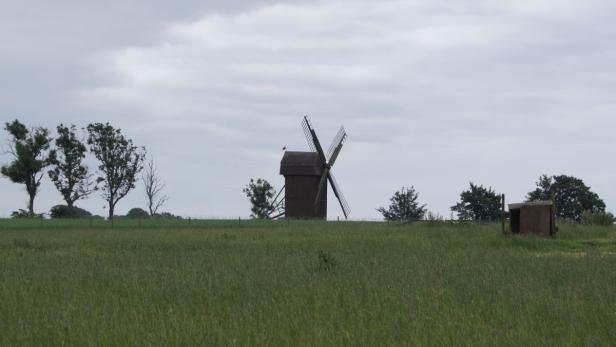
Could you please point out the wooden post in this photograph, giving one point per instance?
(503, 213)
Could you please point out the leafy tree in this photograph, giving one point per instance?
(29, 149)
(64, 211)
(68, 173)
(478, 204)
(261, 194)
(120, 162)
(570, 195)
(137, 213)
(404, 206)
(153, 186)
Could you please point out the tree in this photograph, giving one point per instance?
(137, 213)
(64, 211)
(120, 162)
(570, 195)
(261, 194)
(404, 206)
(478, 204)
(30, 151)
(153, 185)
(68, 173)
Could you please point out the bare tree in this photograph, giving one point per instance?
(153, 185)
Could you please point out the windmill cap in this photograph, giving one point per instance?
(301, 164)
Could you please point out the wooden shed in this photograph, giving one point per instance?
(302, 172)
(536, 217)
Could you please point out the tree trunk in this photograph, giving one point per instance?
(111, 208)
(31, 204)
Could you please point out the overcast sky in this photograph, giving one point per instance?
(433, 93)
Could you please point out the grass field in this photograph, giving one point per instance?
(303, 283)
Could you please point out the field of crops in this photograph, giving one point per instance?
(185, 283)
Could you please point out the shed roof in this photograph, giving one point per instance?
(530, 204)
(301, 164)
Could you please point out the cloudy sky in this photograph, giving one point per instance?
(433, 93)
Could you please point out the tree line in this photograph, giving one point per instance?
(574, 201)
(120, 162)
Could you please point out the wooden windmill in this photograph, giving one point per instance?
(306, 175)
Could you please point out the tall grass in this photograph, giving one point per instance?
(304, 283)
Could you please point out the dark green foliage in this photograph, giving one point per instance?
(597, 218)
(137, 213)
(404, 206)
(21, 213)
(261, 194)
(120, 162)
(29, 149)
(327, 262)
(570, 195)
(166, 215)
(64, 211)
(68, 173)
(478, 204)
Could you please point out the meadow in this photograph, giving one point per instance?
(180, 283)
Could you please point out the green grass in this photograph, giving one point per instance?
(303, 283)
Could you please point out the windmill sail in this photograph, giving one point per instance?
(341, 199)
(336, 145)
(308, 133)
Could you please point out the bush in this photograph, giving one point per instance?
(404, 206)
(64, 211)
(434, 217)
(327, 262)
(597, 218)
(166, 215)
(21, 213)
(137, 213)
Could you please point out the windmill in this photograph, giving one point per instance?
(306, 175)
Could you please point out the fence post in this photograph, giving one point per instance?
(503, 213)
(239, 221)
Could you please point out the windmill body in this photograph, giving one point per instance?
(302, 173)
(306, 175)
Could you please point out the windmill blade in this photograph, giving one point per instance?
(343, 203)
(322, 184)
(313, 136)
(308, 133)
(336, 147)
(337, 143)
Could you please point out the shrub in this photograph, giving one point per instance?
(137, 213)
(597, 218)
(404, 206)
(166, 215)
(327, 262)
(21, 213)
(434, 217)
(64, 211)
